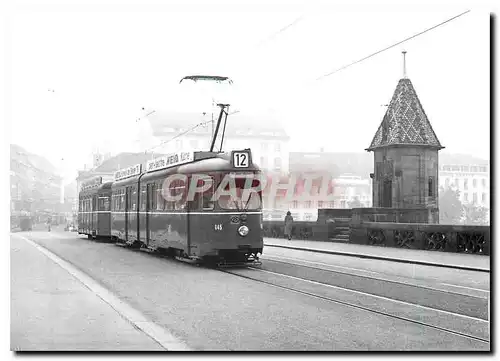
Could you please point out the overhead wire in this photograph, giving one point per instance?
(392, 46)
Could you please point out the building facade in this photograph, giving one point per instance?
(472, 180)
(351, 191)
(182, 131)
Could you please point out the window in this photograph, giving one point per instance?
(466, 184)
(295, 205)
(104, 204)
(320, 204)
(483, 182)
(122, 200)
(483, 197)
(277, 163)
(151, 192)
(474, 198)
(466, 197)
(277, 147)
(143, 199)
(177, 188)
(160, 200)
(456, 182)
(133, 201)
(474, 183)
(431, 187)
(207, 203)
(308, 204)
(253, 202)
(203, 201)
(263, 146)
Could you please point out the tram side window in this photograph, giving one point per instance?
(203, 201)
(117, 201)
(167, 195)
(208, 204)
(114, 198)
(104, 204)
(133, 201)
(122, 200)
(142, 201)
(151, 188)
(178, 190)
(160, 201)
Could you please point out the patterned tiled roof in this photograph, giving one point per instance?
(405, 122)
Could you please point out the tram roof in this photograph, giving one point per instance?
(203, 162)
(95, 190)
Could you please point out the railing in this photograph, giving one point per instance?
(423, 236)
(435, 237)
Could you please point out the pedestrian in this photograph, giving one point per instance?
(288, 225)
(49, 222)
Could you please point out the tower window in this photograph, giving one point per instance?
(431, 187)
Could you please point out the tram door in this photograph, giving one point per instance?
(128, 209)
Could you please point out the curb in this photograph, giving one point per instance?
(136, 318)
(360, 255)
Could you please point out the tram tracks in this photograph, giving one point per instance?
(473, 305)
(472, 328)
(381, 277)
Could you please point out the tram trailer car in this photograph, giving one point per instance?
(219, 232)
(94, 216)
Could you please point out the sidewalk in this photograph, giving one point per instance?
(53, 311)
(432, 258)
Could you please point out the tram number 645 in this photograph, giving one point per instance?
(240, 159)
(218, 227)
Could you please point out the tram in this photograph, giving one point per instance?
(194, 223)
(94, 213)
(195, 206)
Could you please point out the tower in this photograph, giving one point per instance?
(405, 151)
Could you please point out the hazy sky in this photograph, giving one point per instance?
(107, 62)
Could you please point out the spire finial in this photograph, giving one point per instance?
(404, 64)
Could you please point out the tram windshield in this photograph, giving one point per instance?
(245, 200)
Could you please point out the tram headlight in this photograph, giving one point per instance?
(243, 231)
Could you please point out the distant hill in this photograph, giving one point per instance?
(33, 179)
(35, 160)
(460, 159)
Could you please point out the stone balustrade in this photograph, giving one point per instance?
(411, 235)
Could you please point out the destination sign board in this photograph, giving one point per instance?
(169, 160)
(128, 172)
(92, 183)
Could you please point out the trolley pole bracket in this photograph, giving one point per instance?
(222, 112)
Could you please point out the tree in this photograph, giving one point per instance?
(476, 215)
(451, 209)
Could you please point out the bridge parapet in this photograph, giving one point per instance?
(403, 215)
(436, 237)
